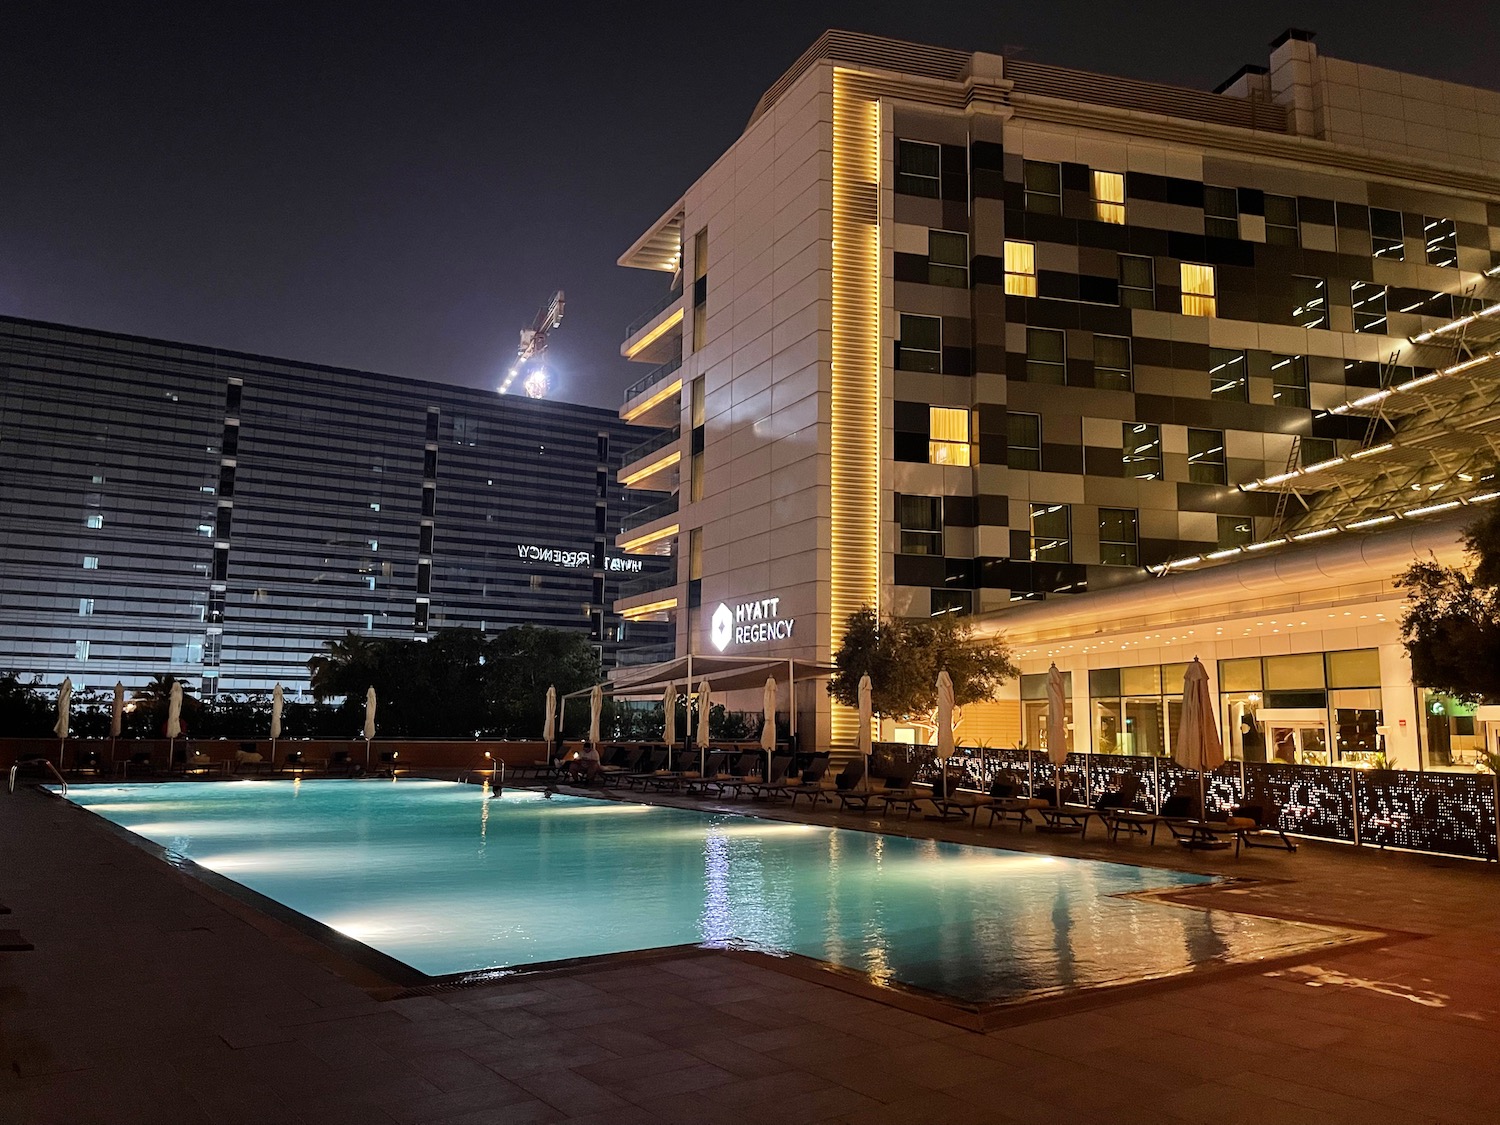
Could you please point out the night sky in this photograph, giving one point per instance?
(400, 187)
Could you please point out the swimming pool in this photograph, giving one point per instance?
(439, 878)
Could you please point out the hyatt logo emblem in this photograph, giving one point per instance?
(722, 626)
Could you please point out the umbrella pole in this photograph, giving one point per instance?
(367, 755)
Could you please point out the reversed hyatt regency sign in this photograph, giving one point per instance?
(559, 556)
(748, 623)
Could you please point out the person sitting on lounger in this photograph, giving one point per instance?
(584, 764)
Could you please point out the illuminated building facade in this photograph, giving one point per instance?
(961, 333)
(178, 509)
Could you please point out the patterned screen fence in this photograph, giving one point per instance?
(1445, 813)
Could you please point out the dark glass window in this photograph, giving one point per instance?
(1316, 450)
(1221, 212)
(919, 168)
(1051, 533)
(1046, 356)
(232, 399)
(1236, 531)
(1206, 456)
(1228, 375)
(1368, 300)
(1043, 183)
(1140, 450)
(429, 501)
(948, 259)
(424, 578)
(429, 462)
(1309, 302)
(1281, 221)
(1024, 441)
(231, 446)
(1442, 241)
(1118, 537)
(1112, 368)
(1137, 282)
(1385, 235)
(921, 519)
(920, 347)
(1289, 380)
(424, 543)
(958, 603)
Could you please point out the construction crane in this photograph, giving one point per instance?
(528, 366)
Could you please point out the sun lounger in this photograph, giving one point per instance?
(812, 785)
(859, 798)
(793, 784)
(742, 771)
(713, 765)
(652, 763)
(624, 762)
(756, 786)
(1176, 809)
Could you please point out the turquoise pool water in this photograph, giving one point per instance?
(436, 876)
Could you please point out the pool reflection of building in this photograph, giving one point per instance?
(1130, 373)
(178, 509)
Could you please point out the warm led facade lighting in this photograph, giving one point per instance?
(1461, 322)
(855, 407)
(667, 391)
(635, 613)
(656, 333)
(664, 462)
(651, 537)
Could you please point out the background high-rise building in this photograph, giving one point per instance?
(169, 508)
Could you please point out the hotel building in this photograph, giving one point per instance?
(169, 508)
(1130, 373)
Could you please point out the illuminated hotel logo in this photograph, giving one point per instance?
(749, 623)
(560, 556)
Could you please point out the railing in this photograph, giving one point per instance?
(646, 654)
(645, 515)
(653, 312)
(651, 445)
(648, 582)
(61, 780)
(1445, 813)
(656, 376)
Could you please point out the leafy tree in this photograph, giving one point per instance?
(1451, 624)
(903, 656)
(25, 710)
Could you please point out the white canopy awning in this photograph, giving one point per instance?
(727, 673)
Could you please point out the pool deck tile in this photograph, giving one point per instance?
(153, 999)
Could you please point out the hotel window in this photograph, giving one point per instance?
(1109, 197)
(1236, 531)
(465, 430)
(700, 289)
(1368, 300)
(95, 522)
(424, 578)
(1198, 290)
(920, 347)
(1020, 269)
(921, 519)
(956, 603)
(948, 443)
(1119, 543)
(1316, 450)
(80, 650)
(1043, 182)
(90, 562)
(948, 259)
(1137, 282)
(1289, 380)
(695, 478)
(1051, 533)
(1442, 241)
(1140, 450)
(1385, 235)
(698, 402)
(85, 607)
(1228, 375)
(1046, 356)
(1309, 302)
(1023, 447)
(1281, 221)
(1112, 363)
(1206, 456)
(1221, 212)
(695, 554)
(919, 169)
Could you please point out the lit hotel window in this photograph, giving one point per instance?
(1051, 534)
(1109, 197)
(90, 562)
(95, 522)
(949, 441)
(1020, 269)
(1198, 290)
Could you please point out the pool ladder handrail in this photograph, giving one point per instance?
(61, 780)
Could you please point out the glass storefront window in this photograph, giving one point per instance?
(1356, 668)
(1300, 672)
(1140, 681)
(1240, 675)
(1453, 734)
(1145, 732)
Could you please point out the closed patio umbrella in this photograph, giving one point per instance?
(60, 728)
(116, 718)
(549, 724)
(1057, 729)
(1198, 746)
(369, 731)
(944, 715)
(276, 706)
(866, 743)
(768, 724)
(705, 704)
(596, 711)
(669, 715)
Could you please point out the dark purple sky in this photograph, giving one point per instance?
(399, 187)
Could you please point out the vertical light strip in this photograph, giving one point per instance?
(856, 366)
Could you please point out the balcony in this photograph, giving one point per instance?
(647, 583)
(657, 334)
(651, 530)
(649, 514)
(654, 311)
(645, 654)
(652, 399)
(650, 466)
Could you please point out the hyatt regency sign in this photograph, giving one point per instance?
(748, 623)
(559, 556)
